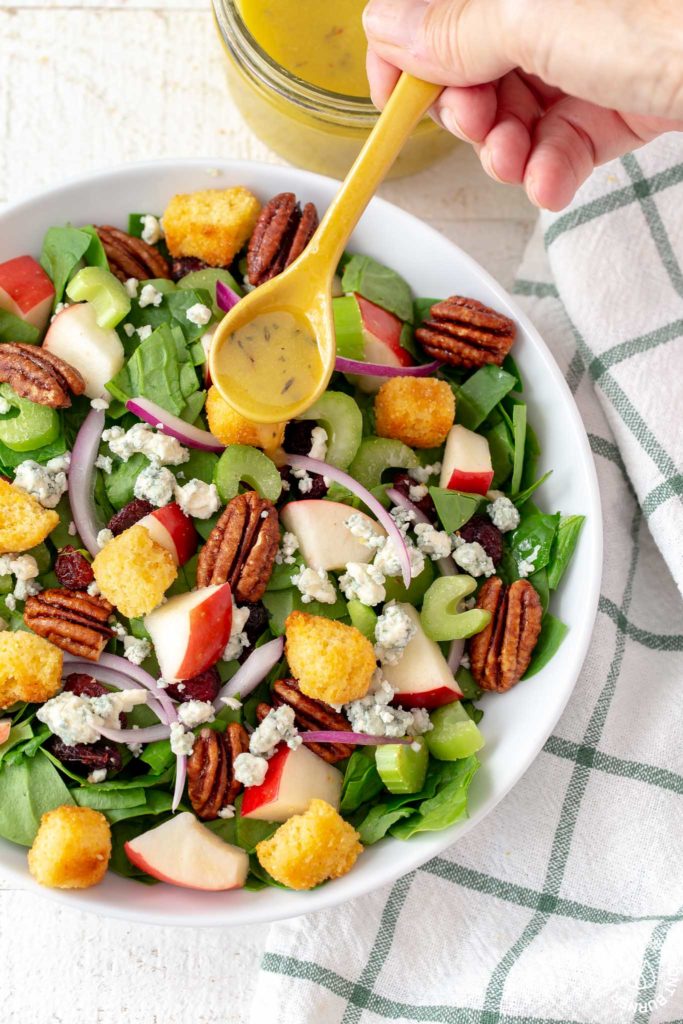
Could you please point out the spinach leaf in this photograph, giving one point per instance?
(539, 581)
(502, 453)
(448, 805)
(532, 541)
(119, 485)
(465, 681)
(454, 508)
(565, 542)
(156, 802)
(480, 394)
(524, 495)
(12, 328)
(158, 756)
(10, 459)
(226, 828)
(379, 284)
(361, 780)
(553, 632)
(160, 369)
(95, 255)
(17, 734)
(280, 603)
(27, 790)
(63, 249)
(422, 309)
(249, 832)
(200, 466)
(379, 820)
(510, 366)
(532, 452)
(281, 576)
(108, 800)
(519, 434)
(119, 863)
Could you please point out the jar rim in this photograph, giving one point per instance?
(257, 63)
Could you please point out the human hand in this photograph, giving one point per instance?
(545, 91)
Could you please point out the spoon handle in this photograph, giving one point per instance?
(408, 103)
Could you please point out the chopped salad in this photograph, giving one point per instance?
(235, 655)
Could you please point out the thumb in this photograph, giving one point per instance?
(450, 42)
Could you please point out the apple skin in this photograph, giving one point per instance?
(190, 631)
(173, 530)
(381, 342)
(183, 852)
(293, 779)
(466, 462)
(428, 699)
(324, 541)
(422, 659)
(26, 291)
(5, 728)
(472, 483)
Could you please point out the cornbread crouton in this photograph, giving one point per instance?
(212, 225)
(416, 410)
(310, 847)
(71, 849)
(133, 572)
(331, 661)
(30, 668)
(231, 428)
(23, 520)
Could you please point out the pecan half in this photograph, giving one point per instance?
(131, 257)
(211, 783)
(500, 654)
(241, 548)
(465, 332)
(38, 375)
(310, 715)
(70, 619)
(282, 232)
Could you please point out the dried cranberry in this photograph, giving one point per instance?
(186, 265)
(483, 532)
(402, 483)
(256, 623)
(129, 515)
(299, 437)
(73, 570)
(205, 686)
(293, 492)
(84, 685)
(88, 756)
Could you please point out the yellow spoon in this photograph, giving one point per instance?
(274, 352)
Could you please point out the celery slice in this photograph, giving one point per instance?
(402, 769)
(105, 292)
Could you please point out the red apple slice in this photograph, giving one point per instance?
(97, 353)
(26, 291)
(5, 729)
(173, 530)
(466, 462)
(293, 779)
(324, 540)
(184, 852)
(381, 342)
(422, 678)
(190, 631)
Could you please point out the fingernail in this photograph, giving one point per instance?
(487, 163)
(396, 22)
(450, 123)
(530, 186)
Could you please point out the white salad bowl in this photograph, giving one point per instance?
(516, 724)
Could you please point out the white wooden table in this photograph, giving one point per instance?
(87, 84)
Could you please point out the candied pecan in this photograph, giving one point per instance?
(500, 654)
(73, 570)
(211, 783)
(481, 530)
(282, 232)
(84, 685)
(131, 257)
(241, 548)
(205, 686)
(402, 483)
(129, 515)
(311, 716)
(88, 756)
(38, 375)
(465, 332)
(72, 620)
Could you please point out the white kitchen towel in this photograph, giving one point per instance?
(565, 905)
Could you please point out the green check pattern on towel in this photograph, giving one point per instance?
(565, 905)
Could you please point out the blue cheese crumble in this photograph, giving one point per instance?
(45, 483)
(374, 714)
(277, 727)
(155, 445)
(364, 583)
(196, 712)
(155, 484)
(314, 585)
(249, 769)
(394, 630)
(432, 542)
(503, 514)
(472, 558)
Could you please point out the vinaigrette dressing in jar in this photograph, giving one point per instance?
(296, 70)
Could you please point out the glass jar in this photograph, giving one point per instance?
(307, 125)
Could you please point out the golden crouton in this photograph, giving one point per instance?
(416, 410)
(310, 847)
(212, 225)
(23, 520)
(30, 668)
(71, 849)
(331, 661)
(231, 428)
(133, 572)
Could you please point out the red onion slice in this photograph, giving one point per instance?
(111, 676)
(226, 297)
(191, 437)
(357, 366)
(455, 653)
(150, 734)
(446, 565)
(253, 671)
(81, 479)
(359, 739)
(324, 469)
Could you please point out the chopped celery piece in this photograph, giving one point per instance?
(396, 588)
(402, 769)
(348, 327)
(208, 279)
(33, 427)
(454, 508)
(241, 464)
(441, 616)
(453, 734)
(378, 454)
(343, 421)
(363, 618)
(104, 292)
